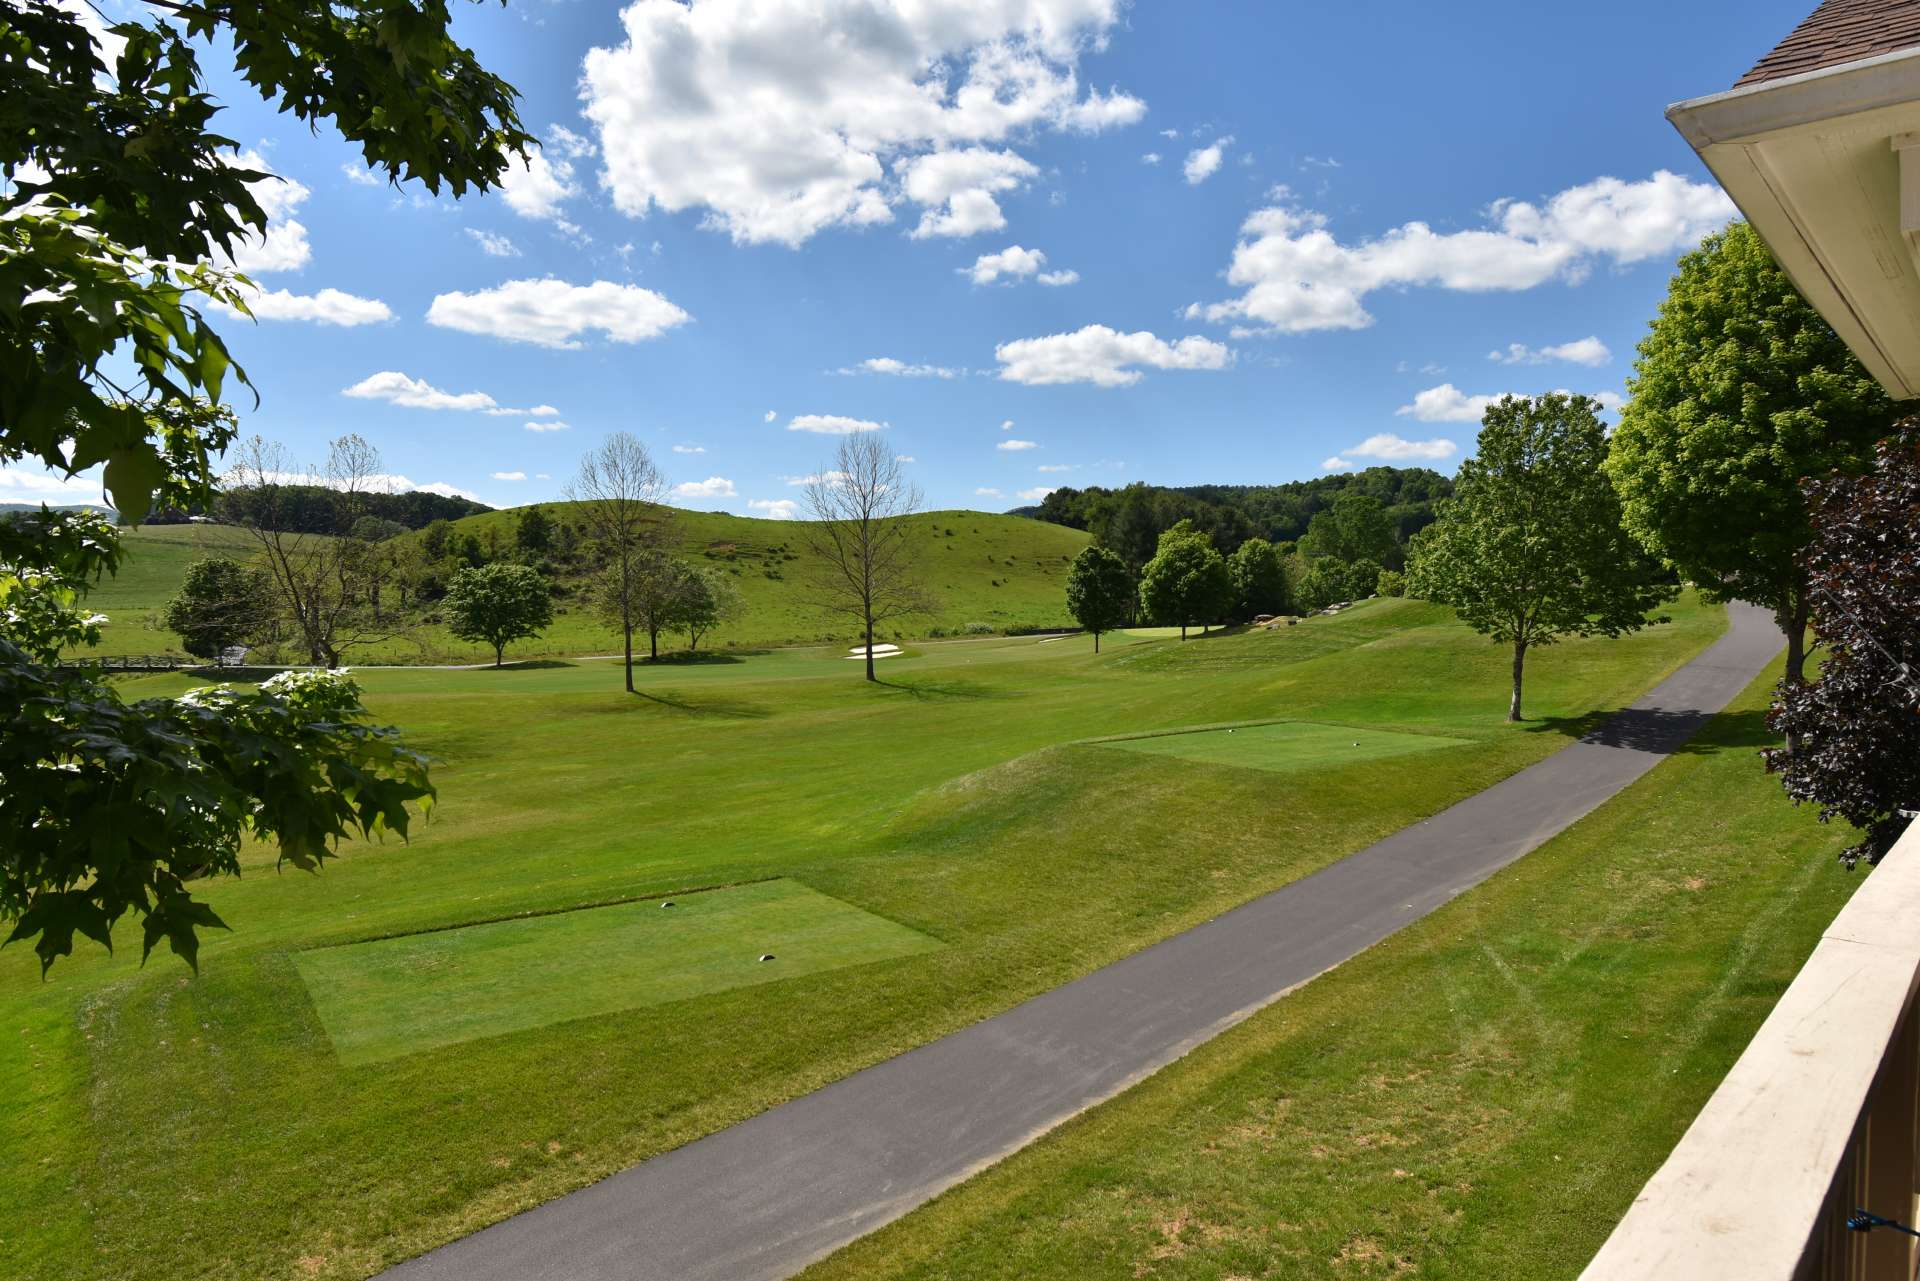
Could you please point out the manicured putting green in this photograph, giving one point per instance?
(388, 997)
(1286, 745)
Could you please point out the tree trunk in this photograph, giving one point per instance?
(499, 651)
(870, 675)
(1793, 621)
(627, 631)
(1096, 642)
(653, 644)
(1519, 670)
(1183, 631)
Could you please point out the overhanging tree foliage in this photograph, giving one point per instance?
(121, 205)
(1740, 391)
(1530, 548)
(1100, 591)
(1857, 727)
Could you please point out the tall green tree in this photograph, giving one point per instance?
(122, 203)
(498, 604)
(221, 604)
(1740, 391)
(707, 600)
(1259, 579)
(1357, 527)
(1100, 593)
(534, 532)
(1531, 548)
(1186, 582)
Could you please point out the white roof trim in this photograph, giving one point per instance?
(1844, 89)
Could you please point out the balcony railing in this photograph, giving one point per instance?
(1814, 1124)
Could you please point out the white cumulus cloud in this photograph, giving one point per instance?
(549, 425)
(537, 187)
(1296, 276)
(416, 393)
(1014, 446)
(785, 117)
(1448, 404)
(958, 189)
(328, 307)
(553, 313)
(1203, 161)
(283, 246)
(984, 492)
(1103, 356)
(509, 475)
(689, 449)
(771, 414)
(711, 487)
(494, 245)
(1036, 494)
(832, 424)
(775, 508)
(1588, 351)
(900, 369)
(1389, 448)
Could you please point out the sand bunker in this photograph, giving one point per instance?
(879, 651)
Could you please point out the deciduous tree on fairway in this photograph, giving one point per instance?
(1259, 579)
(1100, 591)
(121, 200)
(1186, 582)
(1858, 725)
(327, 588)
(221, 603)
(708, 599)
(865, 548)
(621, 502)
(1739, 392)
(498, 604)
(1530, 548)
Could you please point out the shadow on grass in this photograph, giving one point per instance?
(712, 658)
(705, 705)
(942, 689)
(531, 665)
(1657, 730)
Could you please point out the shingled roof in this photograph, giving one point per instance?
(1840, 31)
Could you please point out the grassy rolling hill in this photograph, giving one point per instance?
(939, 847)
(1003, 573)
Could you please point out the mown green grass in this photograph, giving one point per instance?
(394, 996)
(1004, 573)
(154, 1124)
(1480, 1096)
(1286, 745)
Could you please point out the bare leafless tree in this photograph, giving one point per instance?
(864, 546)
(328, 586)
(621, 496)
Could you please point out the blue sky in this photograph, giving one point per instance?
(1172, 243)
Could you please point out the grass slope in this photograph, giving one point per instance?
(1004, 572)
(1480, 1096)
(155, 1124)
